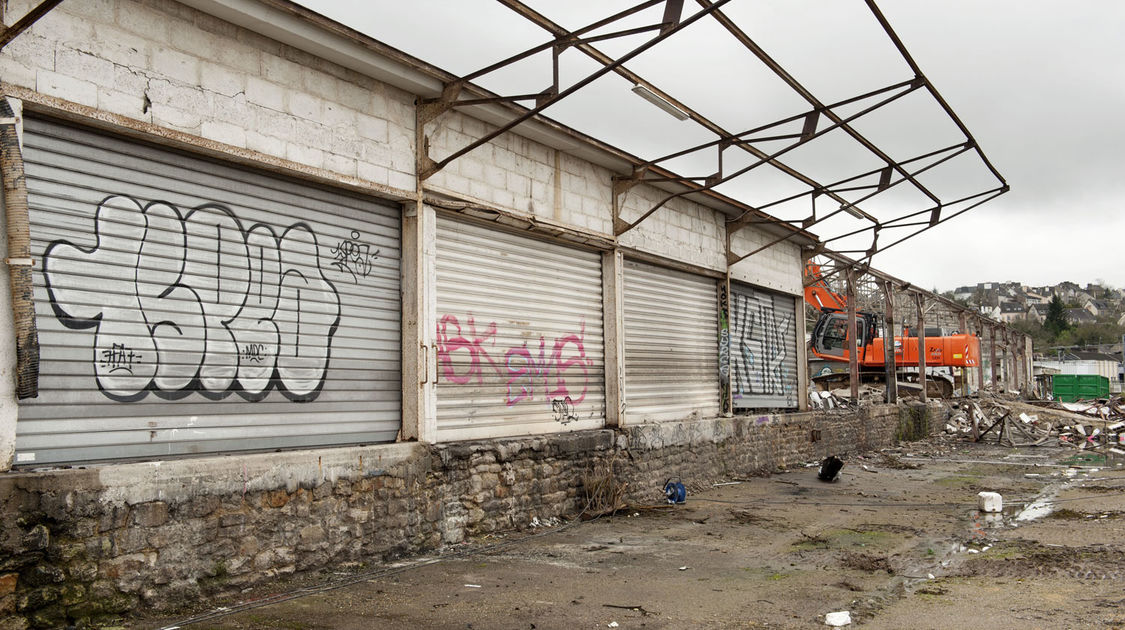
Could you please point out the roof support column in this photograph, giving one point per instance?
(853, 331)
(920, 300)
(419, 323)
(891, 373)
(963, 328)
(980, 366)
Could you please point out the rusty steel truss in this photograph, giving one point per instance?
(814, 123)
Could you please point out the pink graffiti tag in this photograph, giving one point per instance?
(524, 369)
(447, 345)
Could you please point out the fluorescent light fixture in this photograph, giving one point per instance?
(850, 209)
(655, 99)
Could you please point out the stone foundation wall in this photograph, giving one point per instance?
(83, 544)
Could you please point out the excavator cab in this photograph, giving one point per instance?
(830, 335)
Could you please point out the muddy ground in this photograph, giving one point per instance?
(896, 541)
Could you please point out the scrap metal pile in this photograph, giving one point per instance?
(1095, 425)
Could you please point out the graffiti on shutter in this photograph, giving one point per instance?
(190, 301)
(763, 341)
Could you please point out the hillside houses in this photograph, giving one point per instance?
(1012, 301)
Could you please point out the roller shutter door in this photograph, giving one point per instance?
(763, 338)
(191, 306)
(519, 334)
(671, 344)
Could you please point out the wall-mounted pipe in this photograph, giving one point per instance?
(19, 255)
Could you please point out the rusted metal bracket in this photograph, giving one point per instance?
(24, 23)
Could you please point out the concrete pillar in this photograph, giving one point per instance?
(802, 355)
(890, 374)
(726, 403)
(613, 309)
(920, 300)
(9, 406)
(853, 332)
(419, 323)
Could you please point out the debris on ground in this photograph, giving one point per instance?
(830, 468)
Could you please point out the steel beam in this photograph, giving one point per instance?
(27, 21)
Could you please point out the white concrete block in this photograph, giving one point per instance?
(129, 80)
(220, 79)
(19, 74)
(281, 71)
(398, 179)
(375, 173)
(304, 105)
(340, 164)
(355, 96)
(32, 50)
(175, 65)
(129, 104)
(193, 41)
(240, 57)
(304, 155)
(336, 115)
(274, 123)
(371, 127)
(120, 46)
(66, 87)
(174, 118)
(234, 110)
(144, 21)
(990, 502)
(223, 132)
(265, 93)
(268, 145)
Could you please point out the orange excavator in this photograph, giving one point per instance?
(829, 342)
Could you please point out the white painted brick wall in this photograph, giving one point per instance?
(680, 229)
(777, 267)
(163, 63)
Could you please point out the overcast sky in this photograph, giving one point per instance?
(1039, 84)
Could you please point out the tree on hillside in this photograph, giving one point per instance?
(1055, 322)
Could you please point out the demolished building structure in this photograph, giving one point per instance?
(281, 296)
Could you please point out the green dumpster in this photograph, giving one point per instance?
(1072, 387)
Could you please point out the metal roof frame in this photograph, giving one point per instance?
(649, 172)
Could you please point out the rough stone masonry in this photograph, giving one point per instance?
(85, 544)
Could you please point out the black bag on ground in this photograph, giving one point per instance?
(829, 468)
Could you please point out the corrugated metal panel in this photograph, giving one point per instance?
(763, 338)
(189, 306)
(519, 337)
(671, 344)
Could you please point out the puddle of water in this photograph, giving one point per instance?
(1038, 508)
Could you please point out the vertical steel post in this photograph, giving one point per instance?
(853, 331)
(993, 363)
(891, 373)
(980, 366)
(963, 328)
(920, 300)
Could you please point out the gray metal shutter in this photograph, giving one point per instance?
(671, 344)
(763, 339)
(190, 306)
(520, 345)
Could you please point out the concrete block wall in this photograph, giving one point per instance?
(778, 268)
(160, 62)
(681, 230)
(83, 545)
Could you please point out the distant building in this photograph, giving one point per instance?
(1079, 316)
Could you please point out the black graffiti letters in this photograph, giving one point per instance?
(219, 309)
(354, 257)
